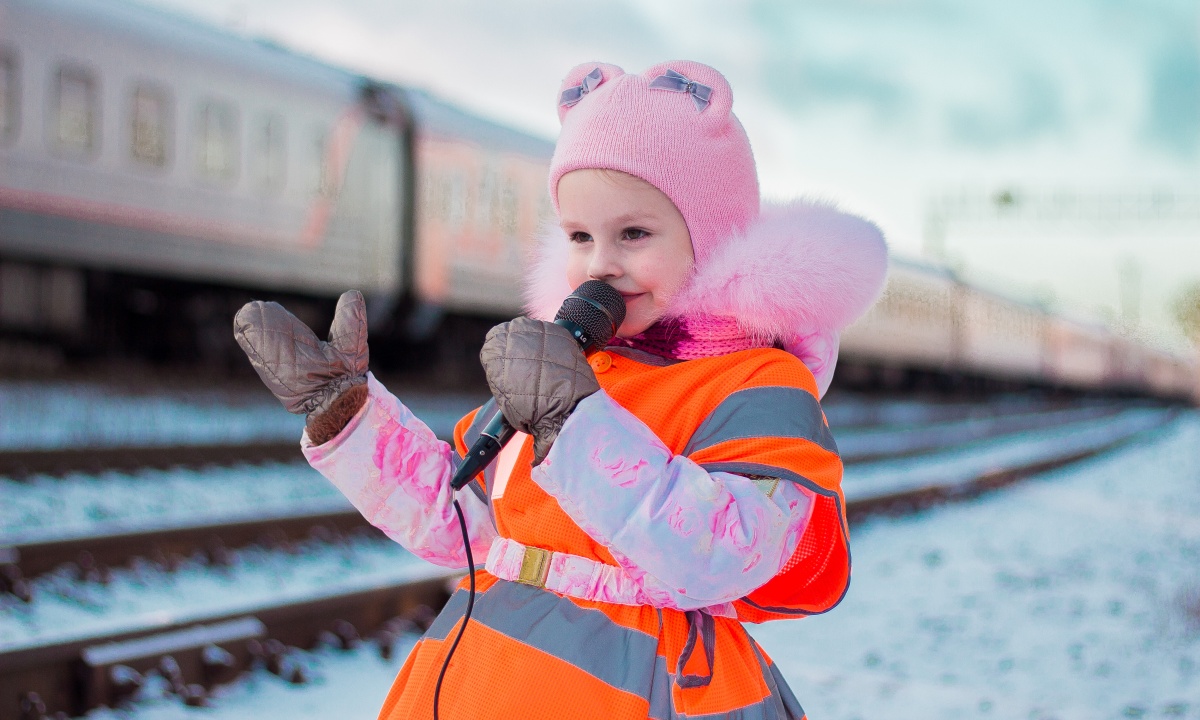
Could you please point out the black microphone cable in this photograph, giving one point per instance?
(437, 691)
(591, 313)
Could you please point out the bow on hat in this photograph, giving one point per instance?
(677, 82)
(590, 82)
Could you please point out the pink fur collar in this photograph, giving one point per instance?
(798, 275)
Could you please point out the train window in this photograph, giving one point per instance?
(326, 184)
(151, 125)
(456, 199)
(76, 116)
(510, 208)
(9, 95)
(485, 199)
(270, 153)
(426, 198)
(216, 141)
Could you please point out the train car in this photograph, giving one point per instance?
(914, 325)
(1169, 375)
(155, 166)
(1078, 354)
(481, 198)
(929, 321)
(1001, 337)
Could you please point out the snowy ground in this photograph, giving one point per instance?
(1073, 595)
(57, 415)
(147, 596)
(45, 508)
(79, 414)
(963, 464)
(345, 686)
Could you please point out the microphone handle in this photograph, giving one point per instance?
(496, 434)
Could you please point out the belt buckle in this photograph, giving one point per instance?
(535, 567)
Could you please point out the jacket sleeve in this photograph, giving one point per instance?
(694, 538)
(396, 472)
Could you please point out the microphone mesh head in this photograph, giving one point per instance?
(600, 324)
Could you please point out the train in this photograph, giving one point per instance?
(156, 173)
(930, 326)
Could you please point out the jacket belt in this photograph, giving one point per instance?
(563, 573)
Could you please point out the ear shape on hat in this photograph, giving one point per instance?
(720, 102)
(575, 77)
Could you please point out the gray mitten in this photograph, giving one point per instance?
(537, 373)
(305, 373)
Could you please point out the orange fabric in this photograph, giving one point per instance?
(495, 676)
(816, 576)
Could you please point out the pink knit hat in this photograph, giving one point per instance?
(671, 126)
(794, 274)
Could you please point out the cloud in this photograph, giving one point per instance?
(1173, 112)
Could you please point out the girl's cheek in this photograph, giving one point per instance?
(576, 268)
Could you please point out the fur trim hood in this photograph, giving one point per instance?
(798, 275)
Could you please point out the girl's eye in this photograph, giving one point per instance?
(580, 237)
(635, 233)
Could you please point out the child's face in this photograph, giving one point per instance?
(626, 232)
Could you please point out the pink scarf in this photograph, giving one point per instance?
(688, 338)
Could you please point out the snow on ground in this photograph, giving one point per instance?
(147, 596)
(43, 508)
(963, 463)
(345, 686)
(1073, 595)
(39, 415)
(46, 416)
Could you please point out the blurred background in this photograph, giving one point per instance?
(1051, 148)
(1035, 167)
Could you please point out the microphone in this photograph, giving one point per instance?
(592, 313)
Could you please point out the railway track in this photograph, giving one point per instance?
(92, 552)
(73, 674)
(95, 450)
(27, 463)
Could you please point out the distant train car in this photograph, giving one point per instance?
(1078, 354)
(1171, 376)
(1001, 338)
(136, 145)
(481, 196)
(914, 325)
(930, 321)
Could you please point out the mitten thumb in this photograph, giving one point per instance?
(348, 332)
(542, 442)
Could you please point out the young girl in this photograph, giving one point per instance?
(668, 488)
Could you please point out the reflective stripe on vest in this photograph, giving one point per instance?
(769, 411)
(620, 656)
(624, 658)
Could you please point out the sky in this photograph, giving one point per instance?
(888, 107)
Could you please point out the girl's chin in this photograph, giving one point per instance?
(634, 326)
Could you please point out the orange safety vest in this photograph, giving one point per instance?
(531, 653)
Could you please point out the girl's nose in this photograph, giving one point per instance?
(605, 263)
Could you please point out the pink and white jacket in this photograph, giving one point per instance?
(801, 273)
